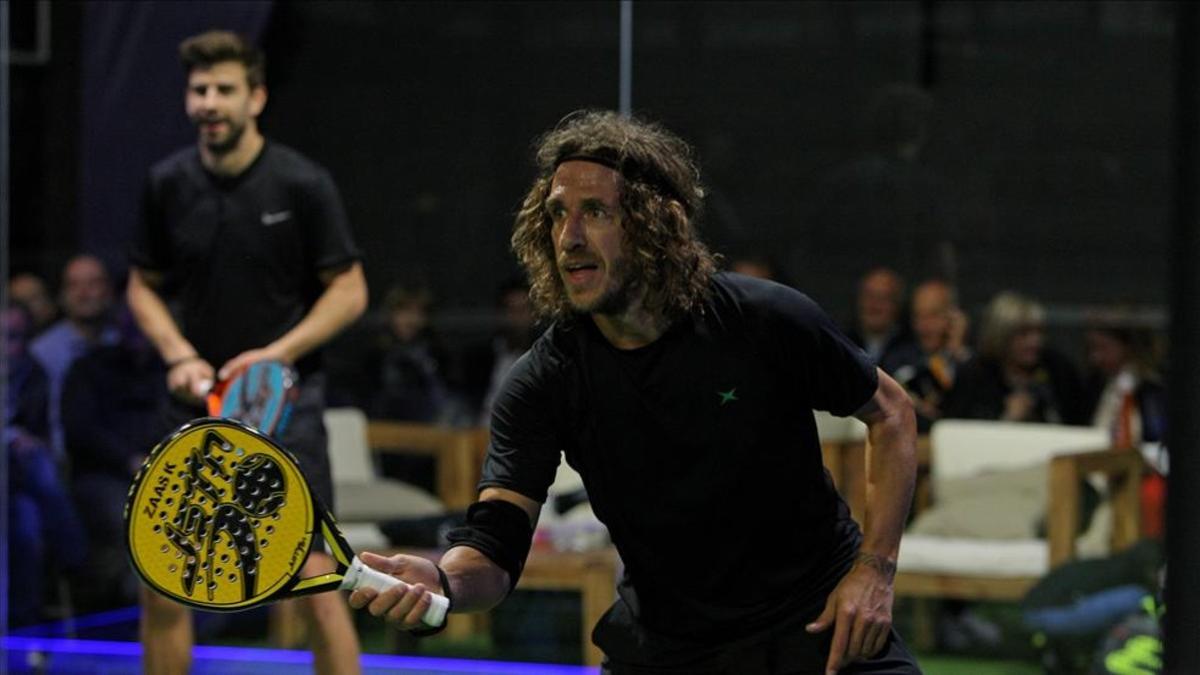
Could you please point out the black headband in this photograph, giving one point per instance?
(610, 162)
(630, 171)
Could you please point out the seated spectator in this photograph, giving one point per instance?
(30, 290)
(110, 411)
(927, 370)
(879, 328)
(1015, 376)
(1124, 389)
(407, 361)
(348, 379)
(407, 369)
(487, 364)
(1126, 396)
(45, 536)
(757, 265)
(87, 299)
(759, 268)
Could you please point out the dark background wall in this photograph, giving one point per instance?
(1045, 165)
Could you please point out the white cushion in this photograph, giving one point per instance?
(974, 557)
(349, 456)
(383, 499)
(364, 537)
(359, 495)
(566, 480)
(973, 454)
(831, 428)
(962, 448)
(994, 505)
(963, 556)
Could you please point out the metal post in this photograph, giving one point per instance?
(1183, 500)
(626, 86)
(930, 58)
(4, 249)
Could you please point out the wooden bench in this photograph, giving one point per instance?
(965, 448)
(592, 574)
(457, 454)
(846, 461)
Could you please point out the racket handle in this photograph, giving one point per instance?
(361, 576)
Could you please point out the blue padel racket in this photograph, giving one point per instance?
(260, 395)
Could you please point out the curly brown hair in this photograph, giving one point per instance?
(661, 200)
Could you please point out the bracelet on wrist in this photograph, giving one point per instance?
(426, 632)
(181, 361)
(878, 563)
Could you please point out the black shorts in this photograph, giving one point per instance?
(787, 651)
(304, 436)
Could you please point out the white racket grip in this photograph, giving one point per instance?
(361, 576)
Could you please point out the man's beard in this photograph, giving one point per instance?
(91, 317)
(231, 141)
(617, 297)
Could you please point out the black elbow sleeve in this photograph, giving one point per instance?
(501, 531)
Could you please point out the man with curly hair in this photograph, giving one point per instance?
(683, 396)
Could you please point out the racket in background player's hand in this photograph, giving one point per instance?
(260, 395)
(220, 517)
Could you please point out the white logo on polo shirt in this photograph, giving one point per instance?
(270, 219)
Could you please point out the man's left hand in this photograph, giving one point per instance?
(860, 611)
(248, 358)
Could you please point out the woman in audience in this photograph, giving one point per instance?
(1015, 376)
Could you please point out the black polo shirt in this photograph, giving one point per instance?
(241, 255)
(700, 454)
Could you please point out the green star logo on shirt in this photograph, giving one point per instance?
(728, 396)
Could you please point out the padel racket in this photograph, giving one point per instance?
(220, 517)
(260, 395)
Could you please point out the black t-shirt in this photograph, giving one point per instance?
(700, 454)
(241, 255)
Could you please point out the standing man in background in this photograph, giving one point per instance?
(249, 242)
(683, 397)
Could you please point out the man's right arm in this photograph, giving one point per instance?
(188, 374)
(477, 583)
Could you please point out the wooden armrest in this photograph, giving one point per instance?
(1114, 462)
(1124, 470)
(406, 437)
(846, 461)
(454, 451)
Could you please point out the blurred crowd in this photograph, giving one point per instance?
(84, 386)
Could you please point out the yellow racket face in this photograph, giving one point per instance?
(219, 517)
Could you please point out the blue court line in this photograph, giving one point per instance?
(266, 656)
(60, 627)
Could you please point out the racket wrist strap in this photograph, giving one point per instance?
(445, 582)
